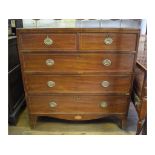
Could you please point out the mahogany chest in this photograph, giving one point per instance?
(77, 73)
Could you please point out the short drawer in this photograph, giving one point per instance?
(78, 104)
(77, 84)
(108, 41)
(48, 41)
(78, 63)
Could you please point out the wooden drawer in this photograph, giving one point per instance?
(77, 84)
(78, 63)
(100, 41)
(58, 41)
(78, 104)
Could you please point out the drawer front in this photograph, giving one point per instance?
(68, 104)
(108, 41)
(48, 41)
(77, 84)
(78, 63)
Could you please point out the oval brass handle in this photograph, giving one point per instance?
(106, 62)
(78, 117)
(52, 104)
(49, 62)
(48, 41)
(108, 40)
(103, 104)
(105, 84)
(50, 83)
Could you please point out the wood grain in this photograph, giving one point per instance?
(78, 104)
(77, 71)
(78, 63)
(95, 41)
(36, 41)
(77, 84)
(75, 30)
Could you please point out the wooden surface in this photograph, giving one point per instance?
(78, 63)
(78, 104)
(60, 41)
(140, 90)
(78, 55)
(53, 126)
(77, 84)
(70, 39)
(73, 30)
(95, 41)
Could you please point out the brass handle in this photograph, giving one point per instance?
(50, 83)
(52, 104)
(106, 62)
(103, 104)
(108, 40)
(105, 84)
(48, 41)
(49, 62)
(78, 117)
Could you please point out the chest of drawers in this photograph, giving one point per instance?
(77, 73)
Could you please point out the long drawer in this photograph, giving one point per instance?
(49, 41)
(78, 63)
(77, 84)
(78, 104)
(108, 41)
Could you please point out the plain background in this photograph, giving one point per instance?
(76, 145)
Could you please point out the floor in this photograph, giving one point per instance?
(51, 126)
